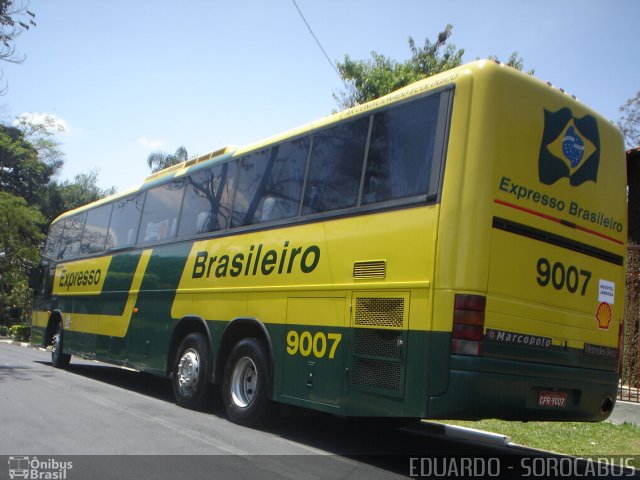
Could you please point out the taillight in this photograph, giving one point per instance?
(468, 324)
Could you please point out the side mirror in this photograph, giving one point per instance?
(35, 278)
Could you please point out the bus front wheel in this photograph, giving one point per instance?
(59, 359)
(190, 377)
(245, 385)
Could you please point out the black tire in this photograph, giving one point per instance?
(59, 359)
(190, 372)
(245, 385)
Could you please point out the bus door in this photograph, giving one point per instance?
(74, 295)
(86, 311)
(379, 324)
(314, 361)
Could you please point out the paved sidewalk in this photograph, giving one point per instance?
(628, 412)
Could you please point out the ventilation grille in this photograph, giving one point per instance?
(370, 372)
(379, 343)
(374, 269)
(379, 312)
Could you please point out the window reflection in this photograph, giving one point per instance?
(161, 212)
(207, 201)
(335, 170)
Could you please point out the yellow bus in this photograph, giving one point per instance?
(454, 249)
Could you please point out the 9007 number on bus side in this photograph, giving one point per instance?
(319, 345)
(562, 277)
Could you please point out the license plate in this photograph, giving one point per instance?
(552, 399)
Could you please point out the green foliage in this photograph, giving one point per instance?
(160, 160)
(4, 331)
(370, 79)
(21, 172)
(20, 332)
(514, 61)
(571, 438)
(59, 197)
(82, 190)
(20, 243)
(629, 122)
(39, 130)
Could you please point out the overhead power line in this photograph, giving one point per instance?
(335, 69)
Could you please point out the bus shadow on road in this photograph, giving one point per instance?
(132, 380)
(372, 441)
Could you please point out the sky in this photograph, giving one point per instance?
(126, 78)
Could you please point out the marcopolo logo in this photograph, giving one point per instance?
(570, 148)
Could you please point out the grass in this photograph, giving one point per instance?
(571, 438)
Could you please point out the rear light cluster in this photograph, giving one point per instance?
(468, 324)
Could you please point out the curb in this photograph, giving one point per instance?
(476, 436)
(466, 434)
(14, 342)
(625, 412)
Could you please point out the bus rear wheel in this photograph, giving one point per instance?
(59, 359)
(245, 385)
(190, 377)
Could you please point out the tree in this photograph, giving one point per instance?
(514, 61)
(14, 19)
(22, 173)
(370, 79)
(20, 244)
(63, 196)
(629, 122)
(161, 160)
(39, 130)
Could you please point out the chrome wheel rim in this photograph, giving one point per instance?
(55, 343)
(244, 382)
(188, 372)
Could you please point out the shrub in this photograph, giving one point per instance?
(21, 332)
(4, 331)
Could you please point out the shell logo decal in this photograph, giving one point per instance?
(603, 316)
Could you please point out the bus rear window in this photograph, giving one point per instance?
(401, 151)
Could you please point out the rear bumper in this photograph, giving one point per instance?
(494, 388)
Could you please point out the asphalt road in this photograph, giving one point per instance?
(115, 423)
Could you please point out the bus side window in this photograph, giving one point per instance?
(72, 236)
(124, 221)
(207, 201)
(335, 170)
(279, 197)
(54, 239)
(251, 181)
(401, 151)
(161, 211)
(94, 237)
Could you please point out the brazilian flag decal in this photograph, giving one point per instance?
(570, 148)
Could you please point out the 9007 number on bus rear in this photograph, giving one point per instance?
(562, 277)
